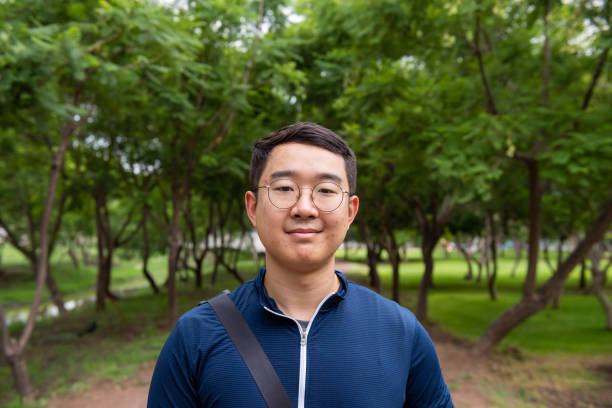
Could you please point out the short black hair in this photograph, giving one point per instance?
(306, 133)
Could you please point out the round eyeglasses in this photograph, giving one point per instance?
(284, 193)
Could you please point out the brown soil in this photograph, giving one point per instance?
(131, 393)
(504, 380)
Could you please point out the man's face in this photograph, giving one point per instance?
(301, 237)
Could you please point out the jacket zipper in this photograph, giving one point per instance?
(303, 349)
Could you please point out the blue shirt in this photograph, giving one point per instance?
(359, 350)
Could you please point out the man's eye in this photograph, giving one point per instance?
(283, 189)
(327, 191)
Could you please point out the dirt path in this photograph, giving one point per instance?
(500, 381)
(504, 380)
(133, 392)
(130, 394)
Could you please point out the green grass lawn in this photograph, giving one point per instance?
(128, 335)
(465, 309)
(133, 332)
(17, 285)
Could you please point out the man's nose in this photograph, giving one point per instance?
(304, 206)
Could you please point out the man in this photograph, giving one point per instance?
(332, 342)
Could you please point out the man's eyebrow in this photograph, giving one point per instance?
(281, 174)
(320, 176)
(330, 176)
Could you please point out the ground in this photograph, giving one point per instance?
(504, 380)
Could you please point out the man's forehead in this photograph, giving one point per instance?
(297, 160)
(294, 174)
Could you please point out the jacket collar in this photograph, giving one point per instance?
(266, 301)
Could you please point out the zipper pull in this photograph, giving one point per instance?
(303, 341)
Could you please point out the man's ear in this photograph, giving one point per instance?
(353, 208)
(250, 202)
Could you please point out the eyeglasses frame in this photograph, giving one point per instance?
(300, 194)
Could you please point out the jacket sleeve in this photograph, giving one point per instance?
(173, 384)
(425, 386)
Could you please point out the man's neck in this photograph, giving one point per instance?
(298, 294)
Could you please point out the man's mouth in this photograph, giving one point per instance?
(303, 232)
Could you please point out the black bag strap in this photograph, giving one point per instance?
(251, 351)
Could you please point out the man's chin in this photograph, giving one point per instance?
(306, 262)
(309, 263)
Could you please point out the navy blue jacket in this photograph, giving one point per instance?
(359, 350)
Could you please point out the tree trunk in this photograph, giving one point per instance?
(560, 249)
(73, 258)
(493, 248)
(468, 261)
(518, 250)
(373, 270)
(104, 249)
(20, 376)
(198, 271)
(233, 271)
(484, 258)
(393, 252)
(600, 293)
(146, 250)
(427, 249)
(487, 259)
(100, 299)
(102, 283)
(215, 271)
(12, 349)
(599, 274)
(85, 256)
(431, 232)
(372, 255)
(535, 227)
(394, 260)
(175, 237)
(56, 296)
(582, 283)
(528, 306)
(546, 254)
(557, 298)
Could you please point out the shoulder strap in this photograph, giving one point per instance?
(251, 351)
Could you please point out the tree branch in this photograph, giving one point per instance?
(117, 237)
(224, 128)
(42, 264)
(546, 57)
(5, 333)
(127, 239)
(598, 70)
(490, 106)
(14, 242)
(58, 220)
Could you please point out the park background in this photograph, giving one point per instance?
(483, 132)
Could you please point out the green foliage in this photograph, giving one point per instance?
(166, 96)
(126, 338)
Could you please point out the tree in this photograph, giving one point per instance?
(599, 272)
(59, 60)
(554, 142)
(553, 123)
(466, 227)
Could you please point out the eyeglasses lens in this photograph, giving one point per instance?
(326, 196)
